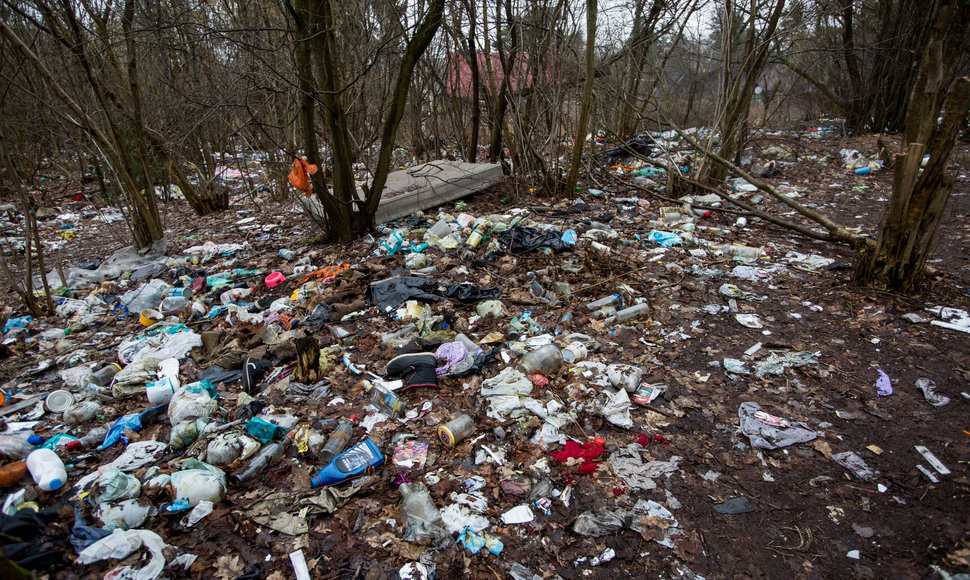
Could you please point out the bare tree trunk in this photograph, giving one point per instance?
(919, 197)
(471, 155)
(569, 186)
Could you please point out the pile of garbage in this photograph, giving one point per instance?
(468, 383)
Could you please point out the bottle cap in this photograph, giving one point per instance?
(353, 418)
(55, 484)
(599, 441)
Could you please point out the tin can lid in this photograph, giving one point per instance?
(444, 433)
(58, 401)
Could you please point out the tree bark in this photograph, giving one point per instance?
(907, 233)
(569, 186)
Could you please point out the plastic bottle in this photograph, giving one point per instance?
(629, 313)
(337, 441)
(603, 302)
(349, 463)
(419, 509)
(478, 234)
(744, 253)
(55, 333)
(174, 304)
(234, 295)
(545, 360)
(12, 473)
(14, 447)
(95, 436)
(102, 377)
(47, 469)
(386, 402)
(263, 459)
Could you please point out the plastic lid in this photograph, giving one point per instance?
(35, 440)
(55, 484)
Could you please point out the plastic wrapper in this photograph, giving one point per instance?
(766, 436)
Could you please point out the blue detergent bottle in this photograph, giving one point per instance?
(349, 463)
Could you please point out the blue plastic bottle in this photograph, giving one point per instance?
(349, 463)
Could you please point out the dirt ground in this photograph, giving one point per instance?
(809, 515)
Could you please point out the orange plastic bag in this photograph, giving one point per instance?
(300, 176)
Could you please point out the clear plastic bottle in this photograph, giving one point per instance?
(629, 313)
(234, 295)
(545, 360)
(47, 469)
(14, 447)
(338, 441)
(95, 436)
(174, 304)
(102, 377)
(55, 333)
(267, 456)
(603, 302)
(386, 402)
(420, 510)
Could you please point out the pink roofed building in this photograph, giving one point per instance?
(460, 73)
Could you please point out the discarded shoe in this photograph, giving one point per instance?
(252, 372)
(416, 369)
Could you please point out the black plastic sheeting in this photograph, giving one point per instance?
(636, 146)
(26, 540)
(523, 239)
(390, 293)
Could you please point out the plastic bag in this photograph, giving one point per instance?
(198, 399)
(77, 377)
(115, 484)
(187, 431)
(132, 379)
(120, 545)
(124, 515)
(200, 481)
(81, 412)
(390, 293)
(523, 239)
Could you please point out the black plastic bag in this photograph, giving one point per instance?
(524, 239)
(390, 293)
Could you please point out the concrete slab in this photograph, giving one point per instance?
(425, 186)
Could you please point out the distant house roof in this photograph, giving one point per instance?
(460, 72)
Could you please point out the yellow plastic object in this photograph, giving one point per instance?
(149, 317)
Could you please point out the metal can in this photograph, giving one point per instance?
(575, 352)
(455, 430)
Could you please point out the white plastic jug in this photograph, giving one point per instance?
(47, 469)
